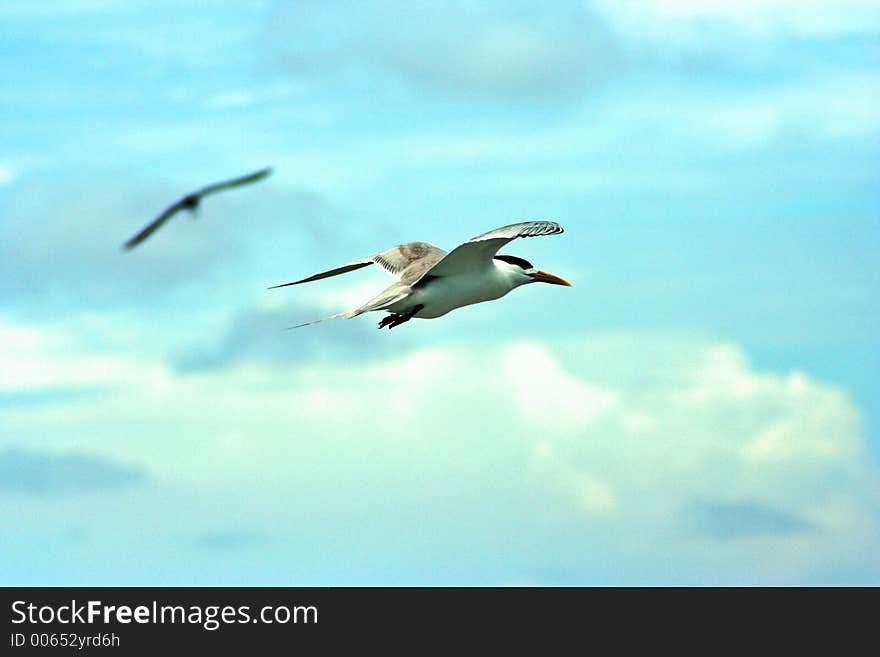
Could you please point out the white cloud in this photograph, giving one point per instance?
(548, 396)
(242, 98)
(7, 175)
(829, 108)
(668, 448)
(715, 429)
(811, 17)
(514, 51)
(36, 359)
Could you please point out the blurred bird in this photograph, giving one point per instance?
(191, 201)
(431, 282)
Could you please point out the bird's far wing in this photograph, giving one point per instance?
(411, 261)
(357, 264)
(235, 182)
(479, 251)
(154, 225)
(394, 261)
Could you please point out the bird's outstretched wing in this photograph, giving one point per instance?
(154, 225)
(235, 182)
(190, 202)
(479, 251)
(397, 261)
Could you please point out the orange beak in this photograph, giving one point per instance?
(544, 277)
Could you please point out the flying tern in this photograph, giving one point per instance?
(431, 282)
(191, 201)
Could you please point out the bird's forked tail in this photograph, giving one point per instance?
(346, 315)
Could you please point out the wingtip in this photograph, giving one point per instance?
(275, 287)
(316, 321)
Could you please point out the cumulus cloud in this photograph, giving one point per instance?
(529, 50)
(769, 39)
(646, 449)
(709, 429)
(48, 365)
(677, 439)
(37, 472)
(520, 50)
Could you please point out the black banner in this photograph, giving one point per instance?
(147, 620)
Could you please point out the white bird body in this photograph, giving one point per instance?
(432, 282)
(440, 295)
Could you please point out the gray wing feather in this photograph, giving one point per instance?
(385, 298)
(478, 251)
(405, 260)
(400, 260)
(523, 229)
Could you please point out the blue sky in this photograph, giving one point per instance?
(700, 408)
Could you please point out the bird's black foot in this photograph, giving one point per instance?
(396, 319)
(391, 320)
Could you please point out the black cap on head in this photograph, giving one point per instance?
(513, 260)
